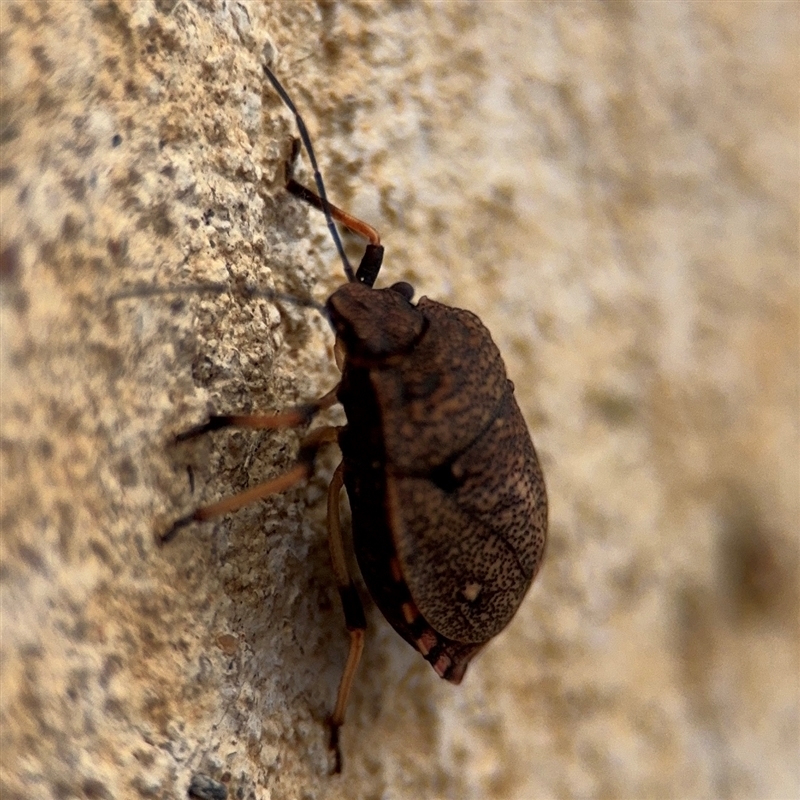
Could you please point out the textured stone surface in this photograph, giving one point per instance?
(612, 188)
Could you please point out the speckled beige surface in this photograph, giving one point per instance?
(613, 188)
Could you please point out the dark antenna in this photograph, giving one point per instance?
(326, 206)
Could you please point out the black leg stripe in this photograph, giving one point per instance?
(354, 617)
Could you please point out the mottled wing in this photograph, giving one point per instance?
(470, 537)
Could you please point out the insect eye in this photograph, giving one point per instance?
(404, 289)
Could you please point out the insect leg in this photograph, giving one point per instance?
(293, 418)
(353, 610)
(301, 127)
(373, 256)
(297, 473)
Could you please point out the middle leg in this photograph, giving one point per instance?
(300, 471)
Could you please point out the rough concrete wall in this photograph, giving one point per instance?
(613, 188)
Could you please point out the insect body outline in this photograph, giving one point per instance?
(448, 501)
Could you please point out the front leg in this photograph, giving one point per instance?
(293, 418)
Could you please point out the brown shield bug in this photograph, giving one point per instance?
(447, 496)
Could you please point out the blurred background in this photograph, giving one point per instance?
(612, 188)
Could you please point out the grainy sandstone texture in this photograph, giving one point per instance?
(612, 187)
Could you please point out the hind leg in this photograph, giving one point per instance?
(353, 611)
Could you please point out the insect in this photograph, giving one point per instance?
(448, 501)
